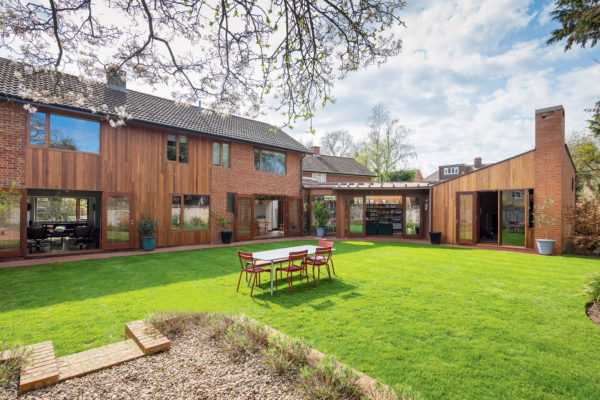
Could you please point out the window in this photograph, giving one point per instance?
(65, 133)
(269, 161)
(319, 177)
(451, 171)
(189, 212)
(221, 154)
(517, 195)
(60, 209)
(177, 148)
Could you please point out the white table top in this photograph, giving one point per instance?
(276, 254)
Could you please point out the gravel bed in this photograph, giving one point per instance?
(195, 368)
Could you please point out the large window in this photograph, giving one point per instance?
(329, 201)
(221, 154)
(10, 224)
(269, 161)
(60, 209)
(65, 133)
(189, 212)
(513, 217)
(177, 148)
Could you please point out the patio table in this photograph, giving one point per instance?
(277, 254)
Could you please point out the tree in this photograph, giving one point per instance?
(235, 55)
(386, 148)
(338, 143)
(585, 151)
(405, 175)
(580, 20)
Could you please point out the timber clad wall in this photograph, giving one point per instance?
(514, 173)
(12, 144)
(242, 178)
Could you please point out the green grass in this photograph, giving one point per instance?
(513, 238)
(450, 323)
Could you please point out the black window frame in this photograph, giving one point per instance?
(178, 137)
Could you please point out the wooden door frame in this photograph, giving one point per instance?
(348, 219)
(22, 227)
(421, 234)
(104, 222)
(475, 218)
(236, 214)
(286, 227)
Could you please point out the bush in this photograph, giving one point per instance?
(592, 289)
(321, 214)
(585, 225)
(147, 227)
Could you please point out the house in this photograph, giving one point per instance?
(326, 169)
(84, 184)
(450, 171)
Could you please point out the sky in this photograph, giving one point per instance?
(468, 81)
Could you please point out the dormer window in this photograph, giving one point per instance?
(451, 171)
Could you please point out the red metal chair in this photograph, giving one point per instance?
(321, 258)
(325, 243)
(251, 266)
(294, 258)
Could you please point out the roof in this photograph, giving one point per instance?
(369, 185)
(148, 109)
(335, 165)
(433, 177)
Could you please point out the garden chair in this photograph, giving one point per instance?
(296, 263)
(325, 243)
(321, 258)
(251, 266)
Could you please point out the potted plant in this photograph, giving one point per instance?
(435, 237)
(542, 219)
(321, 217)
(224, 223)
(147, 229)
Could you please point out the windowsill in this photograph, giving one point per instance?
(177, 162)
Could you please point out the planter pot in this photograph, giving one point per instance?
(545, 246)
(226, 236)
(148, 243)
(435, 237)
(320, 231)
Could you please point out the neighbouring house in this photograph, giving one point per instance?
(446, 172)
(84, 184)
(326, 169)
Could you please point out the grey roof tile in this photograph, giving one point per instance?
(335, 165)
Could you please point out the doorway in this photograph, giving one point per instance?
(268, 217)
(488, 217)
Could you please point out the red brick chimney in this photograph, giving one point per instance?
(315, 149)
(477, 162)
(549, 170)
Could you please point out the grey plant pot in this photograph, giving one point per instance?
(320, 231)
(545, 246)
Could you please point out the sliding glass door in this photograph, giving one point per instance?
(118, 221)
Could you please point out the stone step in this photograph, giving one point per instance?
(40, 368)
(147, 337)
(97, 359)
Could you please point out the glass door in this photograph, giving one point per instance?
(244, 216)
(413, 206)
(13, 223)
(466, 217)
(356, 216)
(118, 221)
(294, 216)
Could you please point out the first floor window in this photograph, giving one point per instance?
(319, 177)
(65, 133)
(269, 161)
(177, 148)
(220, 154)
(189, 212)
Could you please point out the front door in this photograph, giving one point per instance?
(294, 216)
(244, 216)
(117, 225)
(466, 217)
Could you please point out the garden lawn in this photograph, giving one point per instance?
(449, 323)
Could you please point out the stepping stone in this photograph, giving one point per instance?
(40, 368)
(147, 337)
(97, 359)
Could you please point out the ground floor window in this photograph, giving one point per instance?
(189, 212)
(384, 215)
(329, 201)
(10, 222)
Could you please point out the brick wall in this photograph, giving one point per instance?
(242, 178)
(462, 169)
(12, 144)
(552, 175)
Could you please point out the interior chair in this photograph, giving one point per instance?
(321, 258)
(83, 235)
(296, 263)
(38, 236)
(251, 266)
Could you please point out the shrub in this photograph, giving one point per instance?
(324, 382)
(175, 324)
(321, 214)
(147, 227)
(592, 288)
(585, 225)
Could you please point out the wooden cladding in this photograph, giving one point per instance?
(133, 159)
